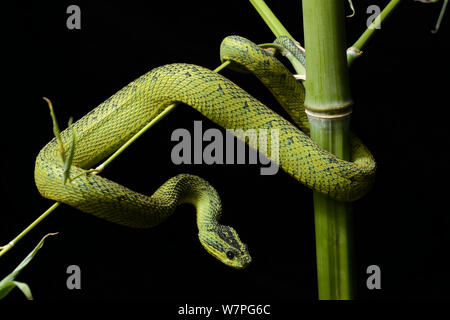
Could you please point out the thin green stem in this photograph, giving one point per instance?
(135, 137)
(270, 19)
(299, 68)
(7, 247)
(13, 242)
(274, 46)
(222, 66)
(441, 16)
(355, 50)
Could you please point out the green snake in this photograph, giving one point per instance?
(112, 123)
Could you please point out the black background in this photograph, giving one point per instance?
(400, 90)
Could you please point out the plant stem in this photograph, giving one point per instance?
(328, 94)
(299, 68)
(332, 219)
(135, 137)
(355, 50)
(7, 247)
(441, 16)
(270, 19)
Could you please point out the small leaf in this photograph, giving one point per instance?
(24, 288)
(56, 131)
(69, 158)
(8, 283)
(352, 8)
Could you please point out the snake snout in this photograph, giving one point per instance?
(224, 244)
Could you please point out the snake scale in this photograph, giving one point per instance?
(112, 123)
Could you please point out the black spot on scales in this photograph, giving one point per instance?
(227, 236)
(332, 160)
(284, 129)
(121, 198)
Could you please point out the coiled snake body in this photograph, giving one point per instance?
(112, 123)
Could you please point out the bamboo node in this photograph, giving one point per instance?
(353, 51)
(327, 116)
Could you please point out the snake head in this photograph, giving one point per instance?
(223, 243)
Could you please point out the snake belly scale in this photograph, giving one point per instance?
(112, 123)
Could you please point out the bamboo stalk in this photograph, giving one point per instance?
(328, 93)
(332, 219)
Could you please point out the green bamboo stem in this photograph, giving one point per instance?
(332, 219)
(328, 103)
(6, 248)
(328, 94)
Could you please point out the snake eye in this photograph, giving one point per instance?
(230, 255)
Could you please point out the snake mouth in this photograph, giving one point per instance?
(239, 260)
(238, 263)
(243, 263)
